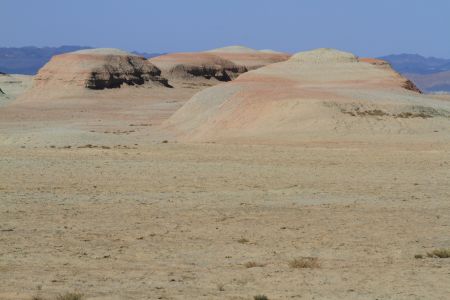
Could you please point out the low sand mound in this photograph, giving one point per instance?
(250, 58)
(321, 95)
(323, 56)
(191, 66)
(94, 69)
(234, 49)
(271, 51)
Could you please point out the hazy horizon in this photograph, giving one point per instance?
(370, 29)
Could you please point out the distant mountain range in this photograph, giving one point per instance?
(28, 60)
(417, 64)
(430, 74)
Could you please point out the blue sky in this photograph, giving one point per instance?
(364, 27)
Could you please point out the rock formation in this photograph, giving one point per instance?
(189, 66)
(323, 95)
(250, 58)
(96, 69)
(224, 64)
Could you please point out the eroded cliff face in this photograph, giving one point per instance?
(193, 66)
(119, 70)
(97, 69)
(207, 72)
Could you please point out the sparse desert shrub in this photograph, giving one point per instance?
(305, 263)
(418, 256)
(243, 241)
(440, 253)
(70, 296)
(260, 297)
(252, 264)
(67, 296)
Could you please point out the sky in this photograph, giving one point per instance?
(364, 27)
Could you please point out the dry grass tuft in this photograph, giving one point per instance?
(440, 253)
(260, 297)
(70, 296)
(67, 296)
(243, 241)
(252, 264)
(305, 263)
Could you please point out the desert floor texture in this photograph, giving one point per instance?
(173, 221)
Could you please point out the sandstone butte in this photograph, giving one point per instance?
(197, 65)
(94, 69)
(223, 64)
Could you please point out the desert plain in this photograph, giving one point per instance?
(288, 183)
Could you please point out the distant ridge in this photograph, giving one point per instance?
(28, 60)
(430, 74)
(417, 64)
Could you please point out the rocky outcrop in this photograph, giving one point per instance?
(218, 65)
(97, 69)
(409, 85)
(119, 70)
(208, 71)
(191, 66)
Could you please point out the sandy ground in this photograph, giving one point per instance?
(173, 221)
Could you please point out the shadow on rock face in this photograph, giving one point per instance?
(117, 71)
(221, 74)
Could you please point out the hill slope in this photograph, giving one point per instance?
(322, 95)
